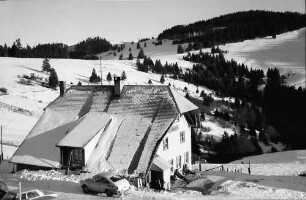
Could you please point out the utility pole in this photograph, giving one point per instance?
(100, 64)
(100, 68)
(1, 156)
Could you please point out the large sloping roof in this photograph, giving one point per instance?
(146, 113)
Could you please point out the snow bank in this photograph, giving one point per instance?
(252, 190)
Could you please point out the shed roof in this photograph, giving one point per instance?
(160, 164)
(88, 126)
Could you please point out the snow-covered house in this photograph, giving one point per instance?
(143, 129)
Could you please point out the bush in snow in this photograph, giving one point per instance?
(3, 90)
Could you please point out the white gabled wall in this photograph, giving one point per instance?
(89, 147)
(175, 147)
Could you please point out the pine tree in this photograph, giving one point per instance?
(130, 49)
(162, 79)
(145, 44)
(150, 82)
(46, 65)
(109, 77)
(130, 56)
(141, 54)
(138, 45)
(121, 57)
(189, 48)
(53, 79)
(123, 75)
(94, 77)
(180, 49)
(213, 50)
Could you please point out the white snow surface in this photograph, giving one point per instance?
(249, 190)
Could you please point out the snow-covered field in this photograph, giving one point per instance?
(286, 52)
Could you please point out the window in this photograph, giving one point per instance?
(32, 194)
(171, 164)
(178, 162)
(186, 157)
(78, 155)
(116, 178)
(101, 180)
(165, 143)
(182, 136)
(23, 196)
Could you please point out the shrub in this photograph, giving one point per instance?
(3, 90)
(273, 150)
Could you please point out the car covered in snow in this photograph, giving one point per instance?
(106, 182)
(33, 194)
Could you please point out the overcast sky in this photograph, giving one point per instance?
(71, 21)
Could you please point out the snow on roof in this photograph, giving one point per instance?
(97, 161)
(143, 116)
(160, 164)
(40, 150)
(183, 104)
(87, 127)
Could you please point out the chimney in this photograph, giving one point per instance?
(118, 85)
(62, 85)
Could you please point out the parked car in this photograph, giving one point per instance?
(5, 194)
(32, 194)
(106, 182)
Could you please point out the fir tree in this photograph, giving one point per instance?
(46, 65)
(53, 79)
(145, 44)
(189, 48)
(109, 77)
(121, 56)
(138, 45)
(141, 54)
(180, 49)
(123, 76)
(150, 82)
(162, 79)
(130, 56)
(94, 77)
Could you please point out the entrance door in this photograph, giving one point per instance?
(157, 181)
